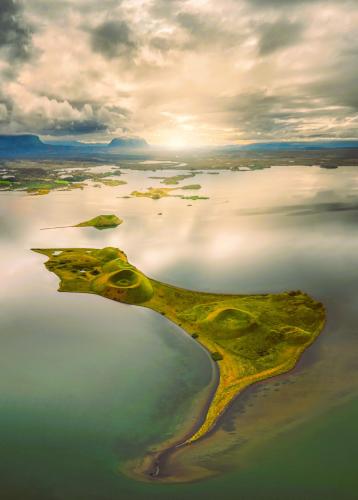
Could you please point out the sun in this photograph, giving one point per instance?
(177, 142)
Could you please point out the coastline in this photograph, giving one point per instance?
(150, 467)
(153, 466)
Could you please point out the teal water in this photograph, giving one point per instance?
(86, 383)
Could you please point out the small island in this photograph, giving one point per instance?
(98, 222)
(191, 186)
(101, 222)
(174, 179)
(158, 193)
(195, 197)
(248, 337)
(153, 193)
(112, 182)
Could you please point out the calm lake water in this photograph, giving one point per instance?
(87, 384)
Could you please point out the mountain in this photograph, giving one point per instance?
(30, 146)
(291, 146)
(128, 143)
(118, 142)
(21, 142)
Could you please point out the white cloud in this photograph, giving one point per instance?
(205, 71)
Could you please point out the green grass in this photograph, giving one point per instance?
(251, 337)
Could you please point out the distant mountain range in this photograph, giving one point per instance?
(31, 146)
(20, 141)
(293, 146)
(119, 142)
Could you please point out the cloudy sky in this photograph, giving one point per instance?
(180, 72)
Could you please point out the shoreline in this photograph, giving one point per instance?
(157, 463)
(158, 460)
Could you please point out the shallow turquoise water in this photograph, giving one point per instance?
(86, 383)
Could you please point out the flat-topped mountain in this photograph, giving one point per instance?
(128, 142)
(21, 141)
(30, 145)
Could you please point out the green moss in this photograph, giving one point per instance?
(253, 336)
(101, 222)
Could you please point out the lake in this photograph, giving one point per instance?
(88, 385)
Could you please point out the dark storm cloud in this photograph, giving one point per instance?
(74, 128)
(113, 39)
(278, 35)
(15, 33)
(56, 117)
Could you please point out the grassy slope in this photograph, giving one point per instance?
(258, 336)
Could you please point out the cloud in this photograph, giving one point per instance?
(166, 8)
(3, 113)
(202, 71)
(278, 35)
(204, 30)
(284, 3)
(52, 116)
(113, 39)
(15, 33)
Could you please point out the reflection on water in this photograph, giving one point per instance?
(86, 383)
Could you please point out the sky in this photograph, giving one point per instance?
(180, 72)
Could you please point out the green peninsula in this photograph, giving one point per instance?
(251, 337)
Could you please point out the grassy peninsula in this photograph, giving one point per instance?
(251, 337)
